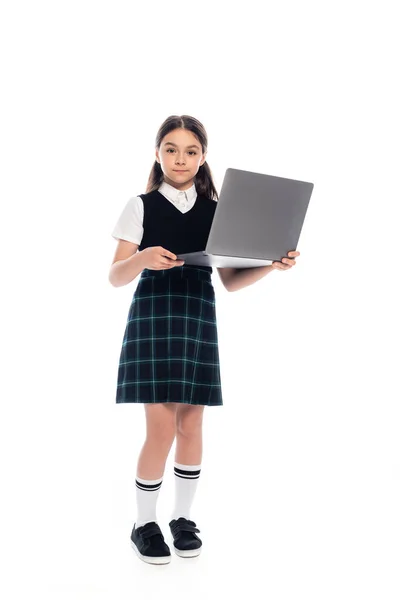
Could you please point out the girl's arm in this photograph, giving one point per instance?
(236, 279)
(127, 264)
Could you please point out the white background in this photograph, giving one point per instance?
(300, 483)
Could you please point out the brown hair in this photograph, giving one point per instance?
(203, 179)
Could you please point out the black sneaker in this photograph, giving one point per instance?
(186, 542)
(148, 543)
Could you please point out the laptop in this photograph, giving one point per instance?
(258, 219)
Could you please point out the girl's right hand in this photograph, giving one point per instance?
(157, 258)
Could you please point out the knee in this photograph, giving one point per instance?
(163, 435)
(161, 431)
(189, 424)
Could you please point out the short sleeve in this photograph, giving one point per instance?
(130, 223)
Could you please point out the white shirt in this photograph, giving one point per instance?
(130, 223)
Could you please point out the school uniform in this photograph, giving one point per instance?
(170, 345)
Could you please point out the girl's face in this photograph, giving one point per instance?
(180, 156)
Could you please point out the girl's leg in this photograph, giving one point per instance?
(189, 434)
(160, 434)
(188, 455)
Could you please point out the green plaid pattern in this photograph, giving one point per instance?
(170, 346)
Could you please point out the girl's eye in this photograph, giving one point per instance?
(173, 150)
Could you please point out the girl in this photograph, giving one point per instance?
(169, 359)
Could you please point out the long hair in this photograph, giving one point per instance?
(203, 179)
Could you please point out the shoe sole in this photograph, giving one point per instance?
(187, 553)
(153, 560)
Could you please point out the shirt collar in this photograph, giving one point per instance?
(172, 193)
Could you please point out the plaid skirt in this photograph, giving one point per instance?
(170, 346)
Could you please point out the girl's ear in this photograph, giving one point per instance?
(203, 160)
(157, 156)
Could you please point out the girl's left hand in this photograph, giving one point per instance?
(287, 263)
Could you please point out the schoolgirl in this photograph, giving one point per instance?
(169, 359)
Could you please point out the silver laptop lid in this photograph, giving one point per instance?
(258, 215)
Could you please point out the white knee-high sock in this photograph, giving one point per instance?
(186, 480)
(147, 491)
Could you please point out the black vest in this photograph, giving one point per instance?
(165, 225)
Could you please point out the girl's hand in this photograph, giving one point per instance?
(287, 263)
(157, 258)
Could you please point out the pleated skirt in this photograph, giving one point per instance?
(170, 345)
